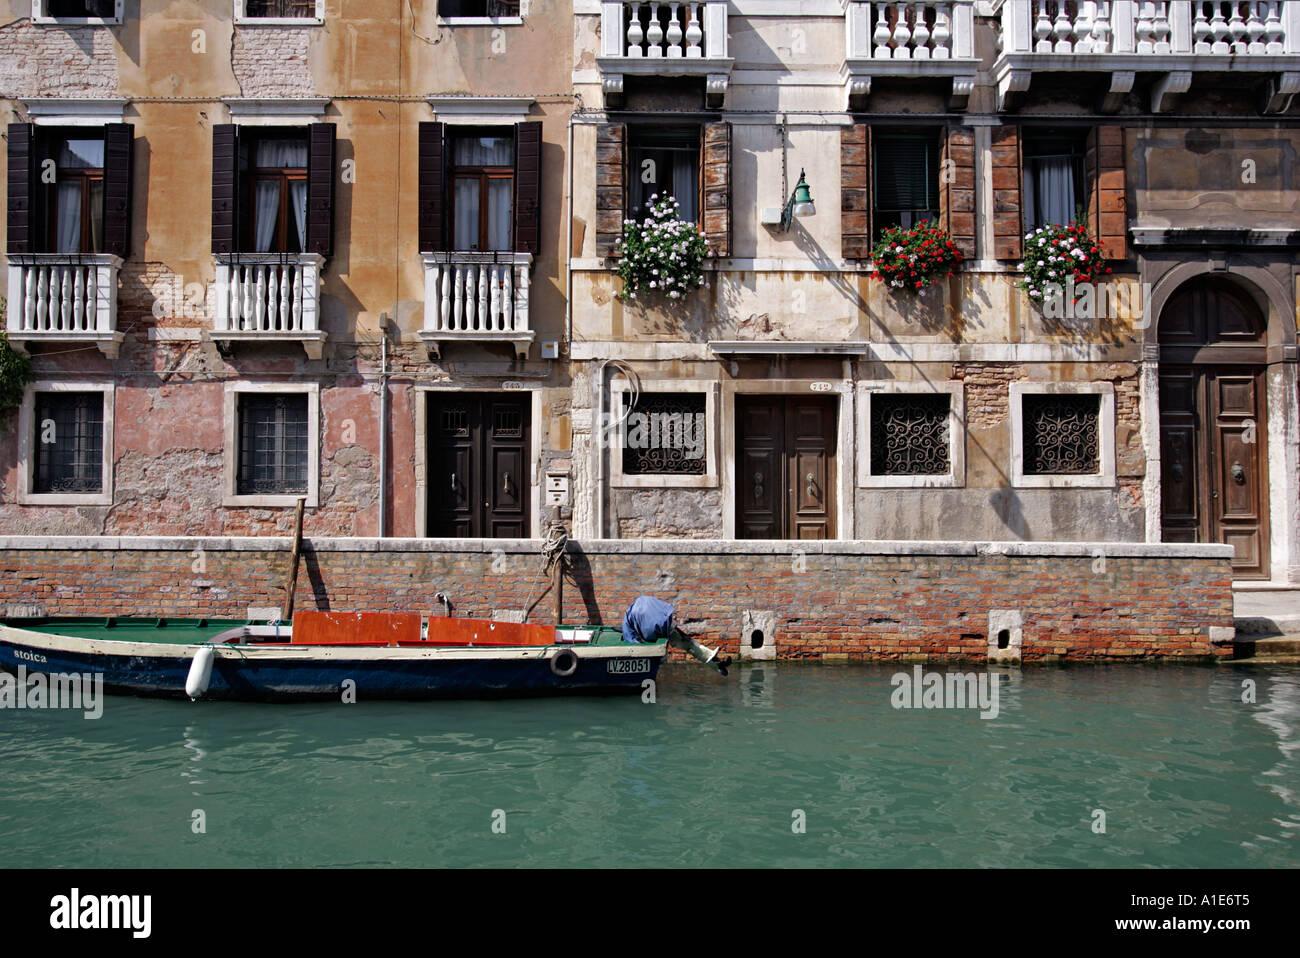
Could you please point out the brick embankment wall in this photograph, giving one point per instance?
(831, 600)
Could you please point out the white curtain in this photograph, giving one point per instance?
(68, 221)
(499, 213)
(267, 210)
(298, 203)
(483, 151)
(279, 154)
(466, 226)
(1051, 190)
(684, 188)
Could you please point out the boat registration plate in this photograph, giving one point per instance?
(628, 666)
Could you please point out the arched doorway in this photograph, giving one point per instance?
(1213, 431)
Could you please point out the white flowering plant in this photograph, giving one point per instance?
(1059, 258)
(661, 255)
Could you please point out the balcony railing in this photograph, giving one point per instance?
(64, 297)
(669, 39)
(269, 296)
(910, 39)
(480, 297)
(1177, 37)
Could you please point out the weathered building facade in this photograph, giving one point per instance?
(365, 254)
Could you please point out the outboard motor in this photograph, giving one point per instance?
(650, 619)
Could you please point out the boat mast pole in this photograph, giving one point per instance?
(286, 609)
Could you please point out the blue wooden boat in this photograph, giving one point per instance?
(367, 658)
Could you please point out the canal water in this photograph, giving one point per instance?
(782, 764)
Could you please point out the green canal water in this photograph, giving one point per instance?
(779, 765)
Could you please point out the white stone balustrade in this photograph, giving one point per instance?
(269, 296)
(664, 39)
(476, 297)
(64, 297)
(1176, 37)
(921, 40)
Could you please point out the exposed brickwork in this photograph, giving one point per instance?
(272, 61)
(57, 61)
(857, 604)
(987, 395)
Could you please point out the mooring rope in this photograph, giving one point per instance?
(554, 549)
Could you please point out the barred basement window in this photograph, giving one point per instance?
(78, 9)
(909, 435)
(279, 9)
(272, 445)
(70, 442)
(664, 434)
(477, 9)
(1061, 435)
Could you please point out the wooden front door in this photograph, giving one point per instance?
(478, 465)
(1213, 425)
(785, 467)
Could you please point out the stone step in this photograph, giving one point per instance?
(1284, 648)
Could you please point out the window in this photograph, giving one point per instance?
(1063, 434)
(1053, 177)
(482, 194)
(69, 431)
(664, 434)
(664, 162)
(76, 214)
(278, 195)
(273, 444)
(477, 9)
(279, 9)
(911, 434)
(1060, 435)
(84, 11)
(905, 173)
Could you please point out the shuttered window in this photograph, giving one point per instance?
(273, 189)
(69, 434)
(1053, 177)
(273, 440)
(905, 170)
(84, 206)
(480, 188)
(664, 162)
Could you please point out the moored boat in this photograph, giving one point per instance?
(331, 655)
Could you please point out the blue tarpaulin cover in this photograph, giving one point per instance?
(647, 620)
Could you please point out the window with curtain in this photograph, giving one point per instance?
(278, 175)
(905, 175)
(478, 9)
(1053, 176)
(664, 161)
(69, 434)
(77, 213)
(78, 9)
(482, 191)
(280, 9)
(272, 444)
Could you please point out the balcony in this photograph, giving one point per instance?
(268, 297)
(61, 297)
(1175, 39)
(476, 297)
(664, 39)
(910, 40)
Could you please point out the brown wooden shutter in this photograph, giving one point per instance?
(528, 184)
(611, 196)
(1107, 200)
(320, 190)
(717, 187)
(21, 224)
(855, 196)
(225, 188)
(957, 188)
(431, 199)
(1007, 227)
(117, 189)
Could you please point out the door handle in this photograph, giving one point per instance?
(1238, 474)
(453, 482)
(758, 486)
(1178, 471)
(811, 489)
(505, 486)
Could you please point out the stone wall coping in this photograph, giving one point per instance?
(863, 547)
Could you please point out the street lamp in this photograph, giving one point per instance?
(800, 203)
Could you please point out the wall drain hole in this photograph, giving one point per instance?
(756, 639)
(1004, 638)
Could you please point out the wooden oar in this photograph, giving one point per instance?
(286, 610)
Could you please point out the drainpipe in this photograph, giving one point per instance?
(383, 425)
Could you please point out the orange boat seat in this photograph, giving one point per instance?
(311, 627)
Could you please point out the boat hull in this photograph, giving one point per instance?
(291, 673)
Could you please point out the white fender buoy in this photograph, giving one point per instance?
(196, 683)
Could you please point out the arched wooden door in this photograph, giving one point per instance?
(1213, 428)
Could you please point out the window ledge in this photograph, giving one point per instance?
(480, 21)
(256, 501)
(65, 499)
